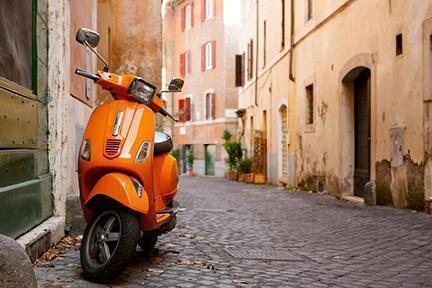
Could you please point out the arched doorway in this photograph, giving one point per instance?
(283, 144)
(356, 104)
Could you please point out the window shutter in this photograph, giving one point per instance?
(183, 18)
(213, 105)
(214, 8)
(243, 68)
(238, 71)
(192, 14)
(182, 65)
(189, 66)
(181, 110)
(213, 44)
(188, 109)
(203, 10)
(203, 57)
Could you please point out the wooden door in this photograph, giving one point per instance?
(362, 132)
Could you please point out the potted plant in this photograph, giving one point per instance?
(245, 170)
(234, 151)
(189, 161)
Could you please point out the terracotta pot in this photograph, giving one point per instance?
(191, 172)
(232, 176)
(241, 177)
(248, 177)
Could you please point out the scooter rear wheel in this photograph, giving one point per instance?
(109, 242)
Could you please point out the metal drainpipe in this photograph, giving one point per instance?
(257, 48)
(291, 74)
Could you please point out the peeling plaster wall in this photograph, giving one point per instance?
(326, 45)
(134, 43)
(65, 113)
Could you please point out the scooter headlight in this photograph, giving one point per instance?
(86, 150)
(142, 91)
(143, 152)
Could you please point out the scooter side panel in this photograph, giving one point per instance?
(166, 179)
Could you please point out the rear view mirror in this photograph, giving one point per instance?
(176, 84)
(88, 36)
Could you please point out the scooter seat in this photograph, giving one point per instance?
(162, 143)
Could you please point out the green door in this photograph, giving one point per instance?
(210, 154)
(25, 181)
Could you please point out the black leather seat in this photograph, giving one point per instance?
(162, 143)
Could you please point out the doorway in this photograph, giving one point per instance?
(362, 135)
(210, 154)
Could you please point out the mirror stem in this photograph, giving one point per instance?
(98, 55)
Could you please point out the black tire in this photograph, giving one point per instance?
(116, 230)
(148, 241)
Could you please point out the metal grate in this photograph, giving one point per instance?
(262, 254)
(112, 146)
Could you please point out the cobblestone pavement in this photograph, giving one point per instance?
(327, 243)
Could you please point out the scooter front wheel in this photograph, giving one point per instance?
(109, 242)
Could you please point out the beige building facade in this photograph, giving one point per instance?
(200, 46)
(357, 94)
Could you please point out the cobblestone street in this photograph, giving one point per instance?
(234, 234)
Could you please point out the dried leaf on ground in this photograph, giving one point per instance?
(152, 270)
(71, 240)
(50, 255)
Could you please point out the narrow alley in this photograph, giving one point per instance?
(232, 234)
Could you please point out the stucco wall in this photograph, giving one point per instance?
(342, 35)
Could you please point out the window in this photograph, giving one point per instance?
(187, 17)
(208, 56)
(185, 64)
(239, 70)
(283, 25)
(399, 45)
(185, 109)
(210, 109)
(250, 60)
(265, 43)
(309, 9)
(207, 9)
(310, 104)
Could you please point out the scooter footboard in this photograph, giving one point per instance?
(120, 188)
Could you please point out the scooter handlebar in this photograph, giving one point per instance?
(165, 113)
(94, 77)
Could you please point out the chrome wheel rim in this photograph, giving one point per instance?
(103, 238)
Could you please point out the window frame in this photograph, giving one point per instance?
(208, 56)
(188, 16)
(310, 105)
(210, 108)
(209, 9)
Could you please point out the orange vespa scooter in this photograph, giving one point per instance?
(127, 177)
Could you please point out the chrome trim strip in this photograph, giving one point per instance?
(117, 123)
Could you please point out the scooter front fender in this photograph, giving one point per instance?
(119, 187)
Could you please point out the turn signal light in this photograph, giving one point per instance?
(86, 150)
(138, 187)
(143, 152)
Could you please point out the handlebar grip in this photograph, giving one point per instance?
(86, 74)
(165, 113)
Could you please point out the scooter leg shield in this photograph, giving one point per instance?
(120, 188)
